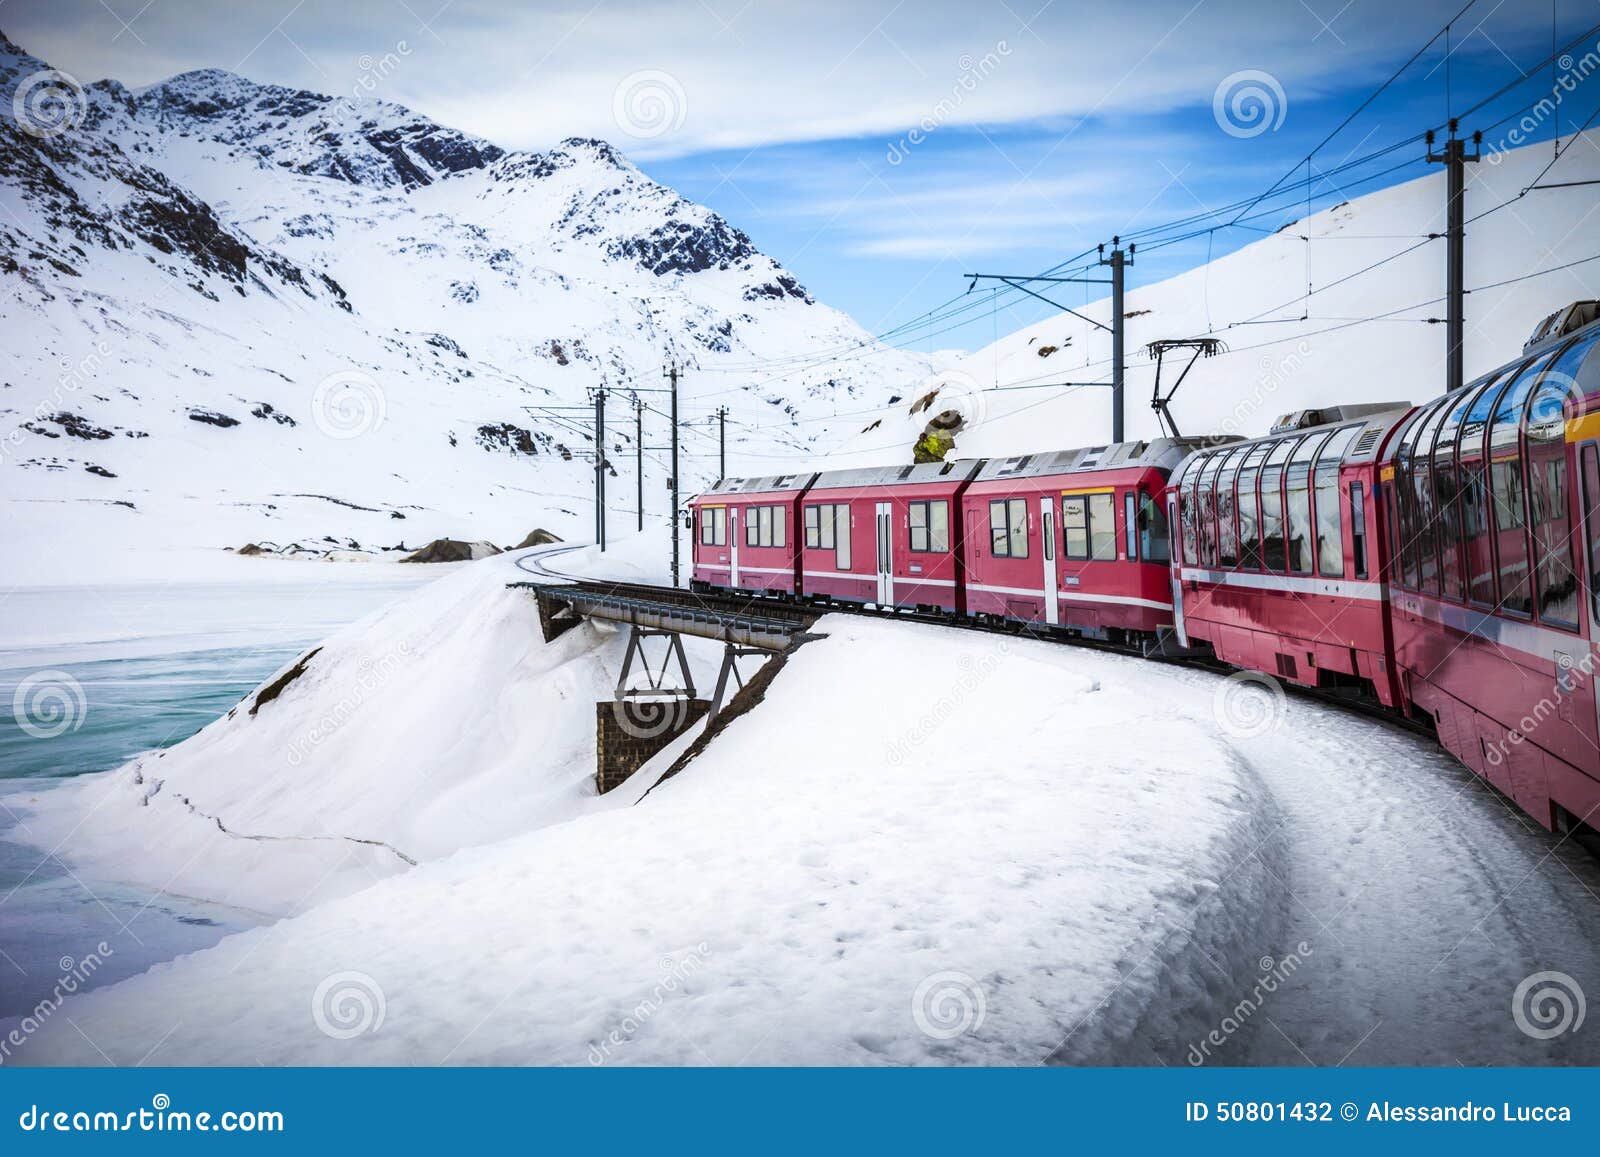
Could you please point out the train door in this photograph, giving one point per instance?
(1047, 535)
(1175, 550)
(1589, 544)
(733, 545)
(885, 554)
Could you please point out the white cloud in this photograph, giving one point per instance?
(525, 75)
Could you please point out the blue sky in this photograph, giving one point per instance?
(881, 149)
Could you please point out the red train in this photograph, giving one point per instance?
(1441, 560)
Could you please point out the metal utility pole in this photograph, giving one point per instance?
(672, 374)
(1454, 158)
(638, 453)
(722, 442)
(1118, 262)
(600, 468)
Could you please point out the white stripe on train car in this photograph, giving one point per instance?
(833, 574)
(1075, 596)
(764, 569)
(1529, 638)
(914, 581)
(1290, 584)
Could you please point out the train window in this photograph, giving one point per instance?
(1298, 503)
(1008, 528)
(1508, 490)
(839, 527)
(813, 528)
(1358, 530)
(780, 526)
(714, 526)
(1130, 524)
(1206, 512)
(1186, 524)
(1325, 485)
(1405, 506)
(764, 526)
(1153, 543)
(1425, 508)
(1472, 490)
(1248, 501)
(1227, 525)
(1590, 463)
(1545, 436)
(1274, 547)
(1103, 526)
(1075, 526)
(929, 523)
(1447, 494)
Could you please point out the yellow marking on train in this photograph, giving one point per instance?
(1386, 474)
(1584, 428)
(1090, 490)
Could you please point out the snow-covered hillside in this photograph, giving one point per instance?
(1366, 258)
(236, 311)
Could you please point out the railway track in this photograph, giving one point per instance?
(715, 602)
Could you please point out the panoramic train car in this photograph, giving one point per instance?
(1496, 548)
(886, 535)
(744, 533)
(1074, 540)
(1277, 569)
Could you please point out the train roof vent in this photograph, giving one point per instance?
(1567, 319)
(1015, 465)
(1369, 439)
(905, 472)
(1091, 457)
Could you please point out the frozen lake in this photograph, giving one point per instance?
(92, 675)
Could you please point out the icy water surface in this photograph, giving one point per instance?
(91, 676)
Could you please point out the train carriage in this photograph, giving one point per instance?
(1074, 540)
(1495, 541)
(886, 536)
(1276, 569)
(745, 530)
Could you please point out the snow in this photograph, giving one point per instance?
(378, 412)
(924, 846)
(1285, 351)
(830, 857)
(448, 698)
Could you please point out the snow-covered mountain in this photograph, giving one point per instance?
(236, 311)
(1368, 331)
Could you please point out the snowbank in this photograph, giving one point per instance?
(924, 846)
(438, 722)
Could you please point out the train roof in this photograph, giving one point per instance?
(921, 474)
(765, 484)
(1375, 420)
(1159, 452)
